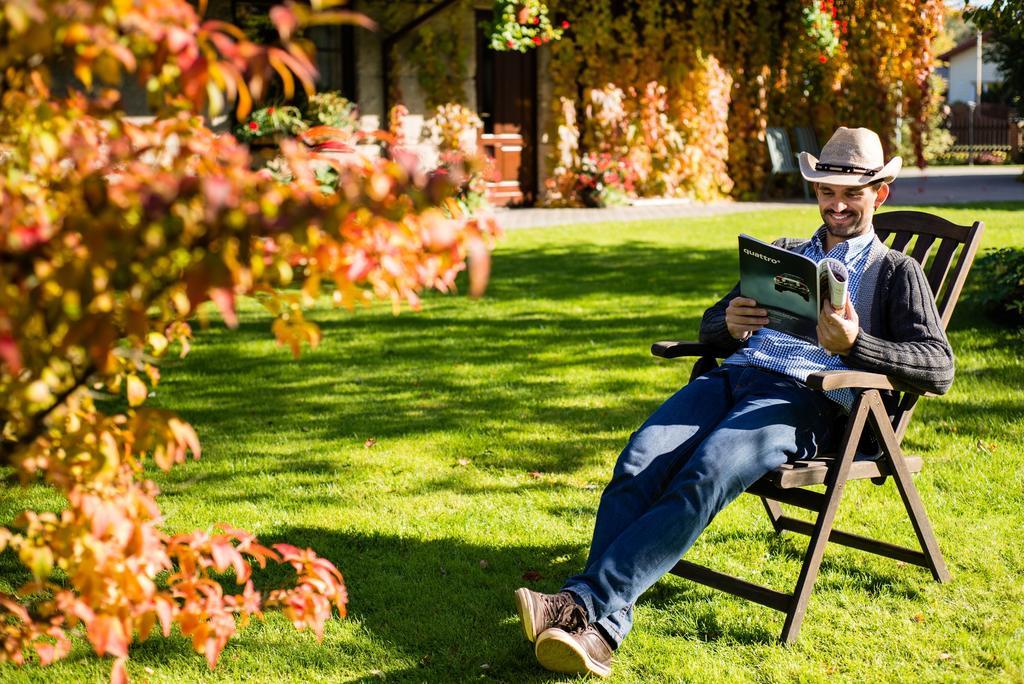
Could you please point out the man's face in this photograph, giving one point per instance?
(847, 210)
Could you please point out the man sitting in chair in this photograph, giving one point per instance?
(731, 426)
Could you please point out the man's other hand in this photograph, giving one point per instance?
(743, 317)
(837, 328)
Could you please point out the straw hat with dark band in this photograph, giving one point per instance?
(853, 156)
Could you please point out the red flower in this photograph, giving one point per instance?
(537, 40)
(536, 20)
(822, 58)
(270, 110)
(253, 126)
(511, 44)
(565, 24)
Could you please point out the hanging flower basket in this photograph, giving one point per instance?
(522, 26)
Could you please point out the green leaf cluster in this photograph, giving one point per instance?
(1001, 275)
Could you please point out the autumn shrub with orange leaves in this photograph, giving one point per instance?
(112, 235)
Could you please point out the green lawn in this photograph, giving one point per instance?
(496, 423)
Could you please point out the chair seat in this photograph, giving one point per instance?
(812, 471)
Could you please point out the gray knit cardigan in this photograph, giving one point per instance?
(900, 335)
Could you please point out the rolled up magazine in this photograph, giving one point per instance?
(790, 286)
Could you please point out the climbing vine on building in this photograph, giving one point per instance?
(821, 63)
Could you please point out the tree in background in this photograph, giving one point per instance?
(1005, 19)
(112, 236)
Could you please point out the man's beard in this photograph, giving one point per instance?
(843, 229)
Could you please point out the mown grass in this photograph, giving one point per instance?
(494, 425)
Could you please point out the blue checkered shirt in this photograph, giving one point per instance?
(797, 358)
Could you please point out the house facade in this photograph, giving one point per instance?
(382, 68)
(962, 76)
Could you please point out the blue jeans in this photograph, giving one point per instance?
(700, 450)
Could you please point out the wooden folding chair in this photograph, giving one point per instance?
(914, 233)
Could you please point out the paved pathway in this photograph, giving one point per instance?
(936, 185)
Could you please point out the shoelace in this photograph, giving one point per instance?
(570, 617)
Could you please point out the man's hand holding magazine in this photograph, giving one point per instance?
(837, 328)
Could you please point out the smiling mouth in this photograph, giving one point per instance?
(841, 218)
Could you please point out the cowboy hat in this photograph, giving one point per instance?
(852, 156)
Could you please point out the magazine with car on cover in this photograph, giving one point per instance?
(790, 286)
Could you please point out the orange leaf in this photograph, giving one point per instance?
(342, 17)
(106, 634)
(287, 80)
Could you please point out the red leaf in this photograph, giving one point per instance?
(119, 673)
(479, 267)
(164, 611)
(285, 20)
(10, 354)
(224, 298)
(213, 649)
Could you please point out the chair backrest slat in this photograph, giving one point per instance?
(940, 267)
(922, 246)
(900, 241)
(904, 226)
(955, 282)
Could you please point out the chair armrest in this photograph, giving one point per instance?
(671, 349)
(830, 380)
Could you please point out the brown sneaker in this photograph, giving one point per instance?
(538, 612)
(583, 652)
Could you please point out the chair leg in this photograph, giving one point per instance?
(774, 510)
(825, 520)
(908, 492)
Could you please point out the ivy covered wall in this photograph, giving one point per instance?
(822, 63)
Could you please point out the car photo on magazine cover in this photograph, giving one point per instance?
(785, 282)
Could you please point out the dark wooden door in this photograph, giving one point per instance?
(506, 86)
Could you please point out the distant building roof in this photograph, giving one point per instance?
(965, 45)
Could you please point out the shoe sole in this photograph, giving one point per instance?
(524, 605)
(559, 652)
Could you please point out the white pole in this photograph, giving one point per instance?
(977, 90)
(977, 83)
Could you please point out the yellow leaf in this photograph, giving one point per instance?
(136, 391)
(16, 17)
(84, 74)
(158, 342)
(216, 99)
(49, 144)
(38, 392)
(108, 69)
(39, 559)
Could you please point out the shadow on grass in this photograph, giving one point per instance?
(482, 367)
